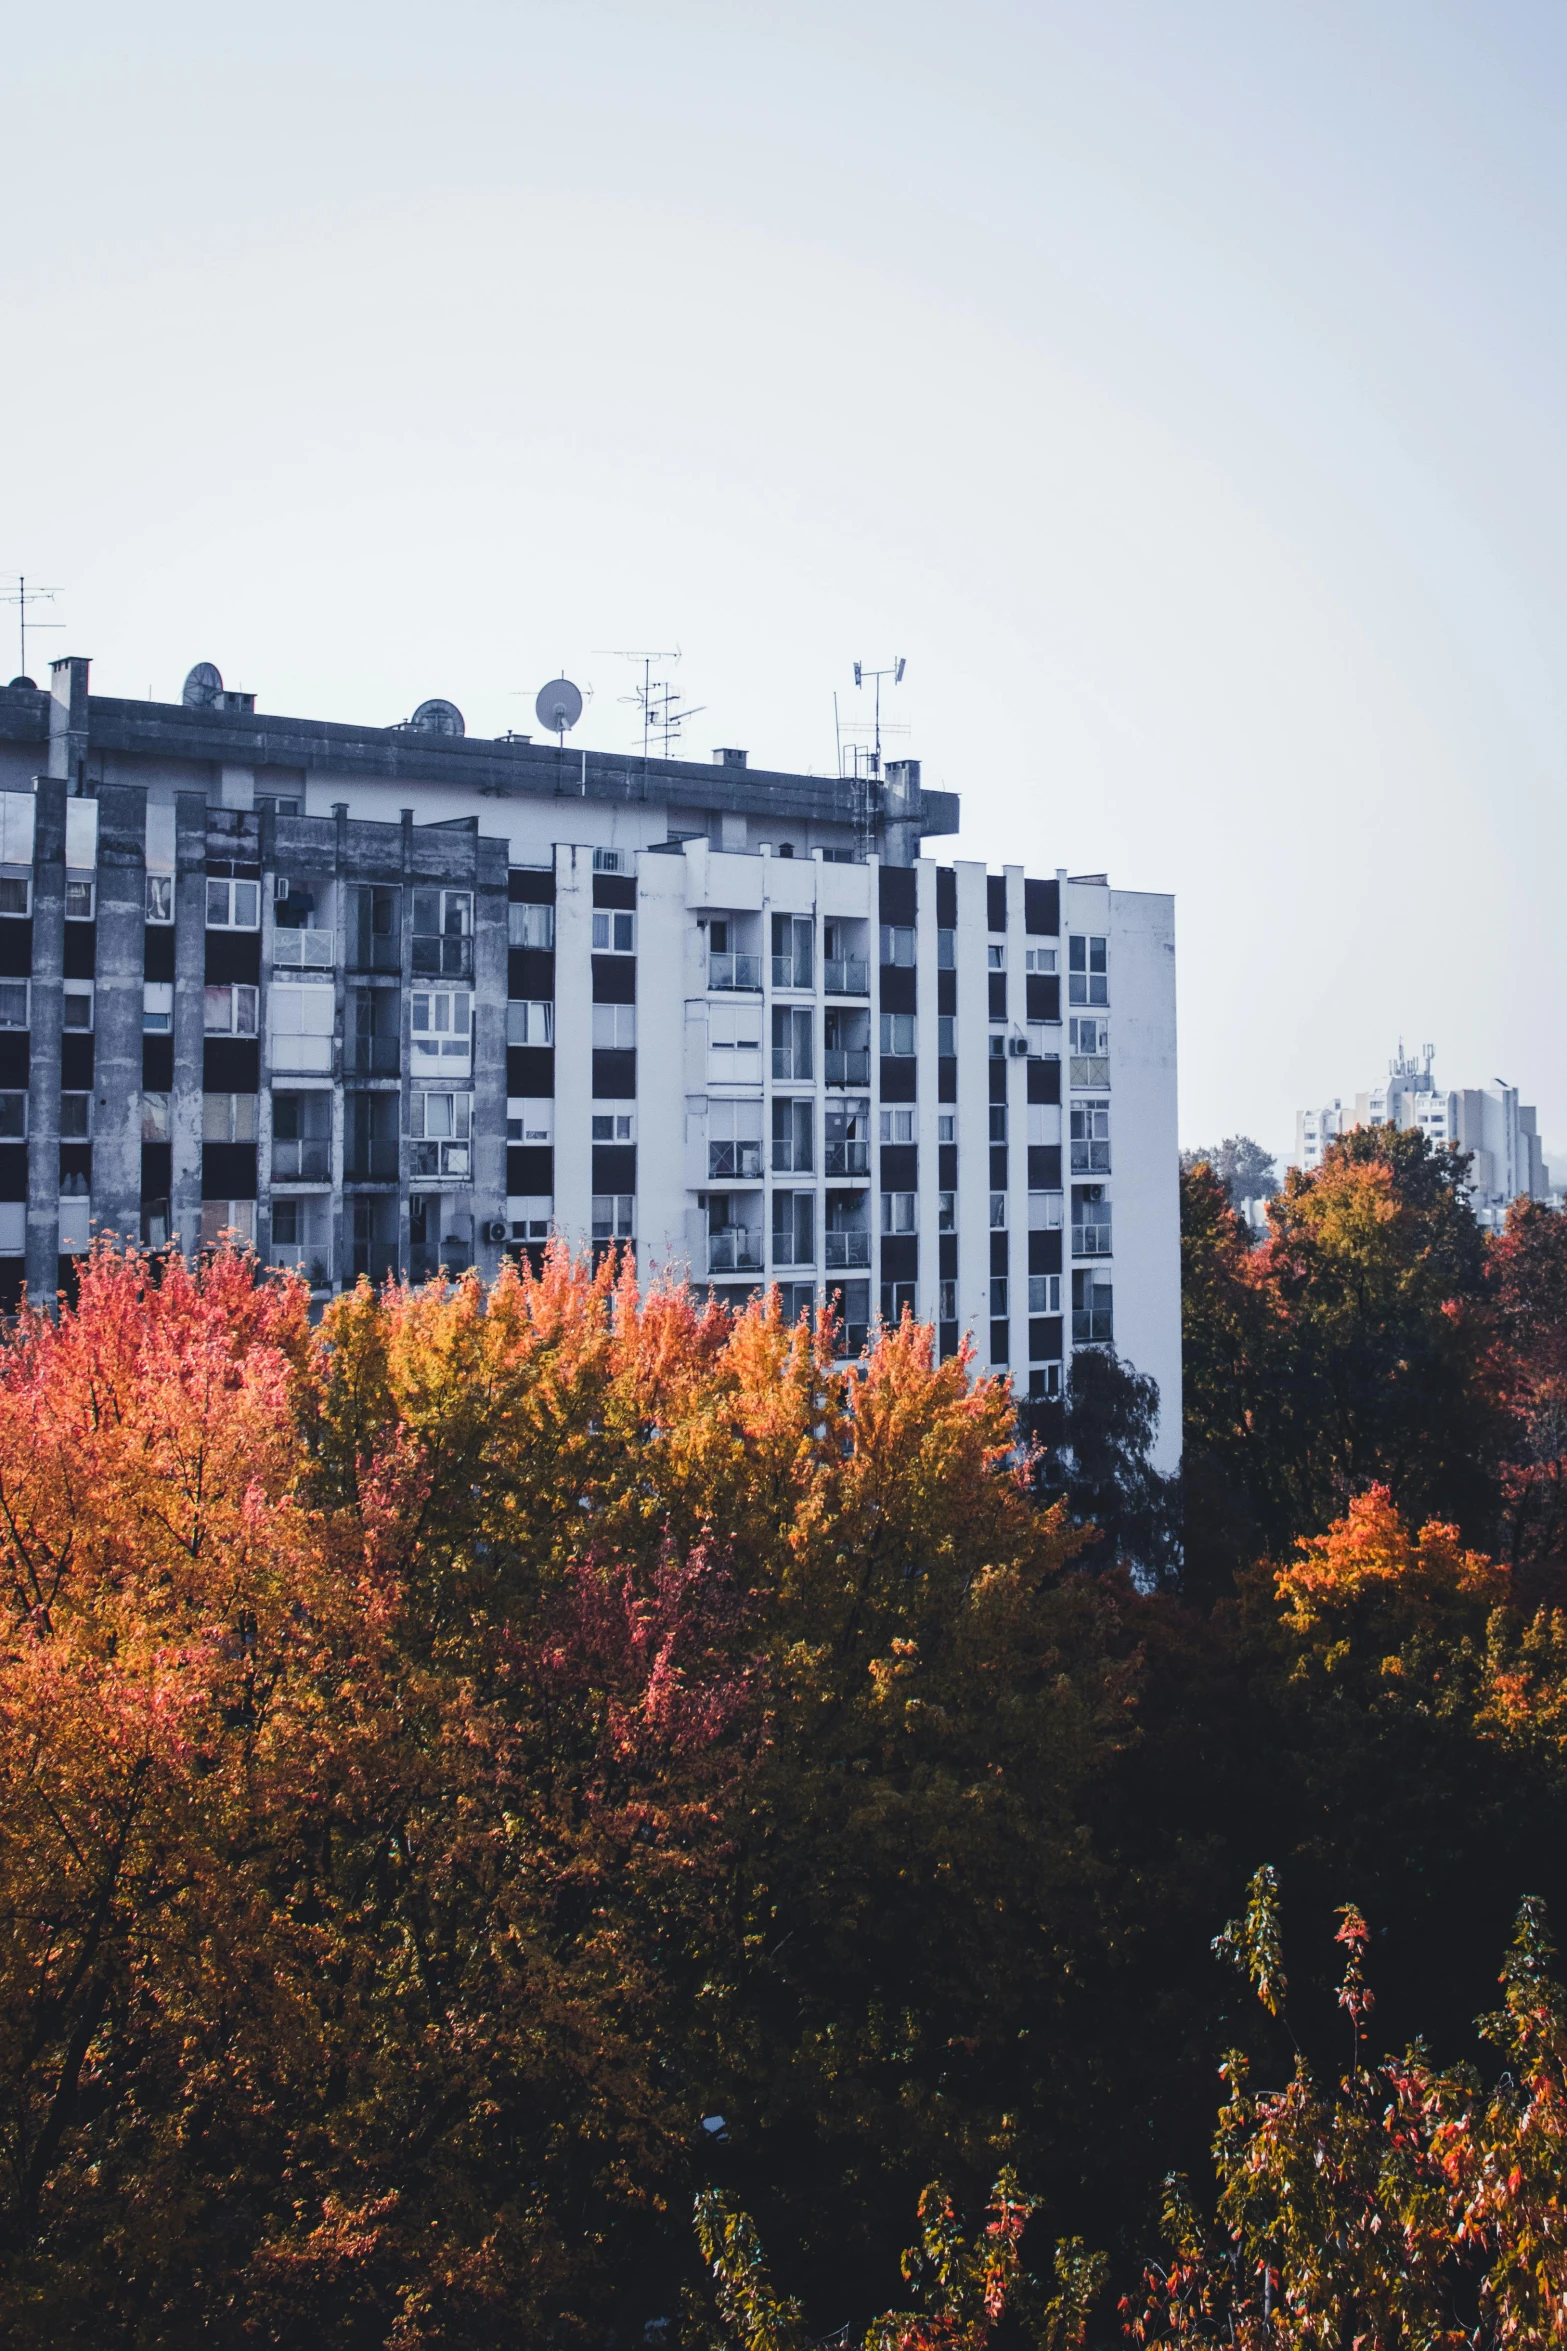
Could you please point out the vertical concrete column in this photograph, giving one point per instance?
(490, 953)
(68, 709)
(405, 1038)
(117, 1009)
(342, 1215)
(46, 1019)
(190, 977)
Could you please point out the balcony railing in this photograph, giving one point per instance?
(441, 1159)
(372, 1162)
(848, 1159)
(792, 1063)
(1090, 1159)
(789, 1249)
(373, 1057)
(1090, 1069)
(374, 951)
(734, 1159)
(846, 975)
(844, 1249)
(296, 1161)
(303, 950)
(792, 971)
(735, 1249)
(734, 971)
(1092, 1240)
(792, 1155)
(847, 1067)
(443, 958)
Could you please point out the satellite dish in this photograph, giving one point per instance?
(202, 686)
(438, 718)
(558, 707)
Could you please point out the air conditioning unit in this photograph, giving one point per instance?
(495, 1230)
(1018, 1048)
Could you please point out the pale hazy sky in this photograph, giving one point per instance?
(1178, 386)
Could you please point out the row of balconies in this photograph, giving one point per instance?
(842, 975)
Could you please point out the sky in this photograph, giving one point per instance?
(1179, 390)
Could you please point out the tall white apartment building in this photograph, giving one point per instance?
(1499, 1131)
(392, 999)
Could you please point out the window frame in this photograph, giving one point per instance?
(229, 884)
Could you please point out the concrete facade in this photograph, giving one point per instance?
(1499, 1131)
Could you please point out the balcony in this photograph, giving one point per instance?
(371, 1160)
(792, 971)
(1092, 1239)
(846, 975)
(1090, 1069)
(1090, 1159)
(846, 1249)
(301, 1161)
(792, 1064)
(735, 1249)
(374, 951)
(373, 1057)
(303, 950)
(847, 1066)
(848, 1159)
(734, 1159)
(734, 971)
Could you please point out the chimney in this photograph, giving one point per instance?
(728, 757)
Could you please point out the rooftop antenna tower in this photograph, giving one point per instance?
(864, 768)
(659, 701)
(21, 596)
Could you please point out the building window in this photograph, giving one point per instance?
(614, 1126)
(614, 1028)
(794, 1228)
(1039, 1045)
(846, 1138)
(1044, 1293)
(530, 1216)
(946, 1126)
(1044, 1382)
(793, 951)
(897, 944)
(16, 891)
(1090, 1055)
(898, 1299)
(530, 1022)
(613, 934)
(228, 1118)
(226, 1012)
(302, 1137)
(1039, 959)
(300, 1237)
(995, 957)
(946, 1212)
(1087, 967)
(999, 1293)
(897, 1126)
(614, 1216)
(440, 1128)
(794, 1135)
(946, 1034)
(75, 1118)
(234, 1219)
(1044, 1212)
(1044, 1122)
(155, 1118)
(1090, 1221)
(443, 934)
(301, 1023)
(233, 906)
(900, 1212)
(734, 1139)
(998, 1044)
(897, 1033)
(608, 861)
(998, 1122)
(80, 897)
(1091, 1138)
(947, 1301)
(160, 897)
(13, 1118)
(76, 1010)
(13, 1004)
(946, 950)
(530, 1119)
(1093, 1322)
(792, 1058)
(533, 926)
(998, 1212)
(442, 1025)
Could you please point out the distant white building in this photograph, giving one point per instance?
(1489, 1122)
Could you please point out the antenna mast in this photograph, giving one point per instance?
(21, 596)
(656, 698)
(865, 761)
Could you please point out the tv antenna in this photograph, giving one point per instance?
(663, 713)
(894, 670)
(21, 596)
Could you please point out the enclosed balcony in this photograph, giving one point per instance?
(734, 1248)
(727, 970)
(846, 975)
(847, 1239)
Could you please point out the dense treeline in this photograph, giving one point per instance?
(484, 1772)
